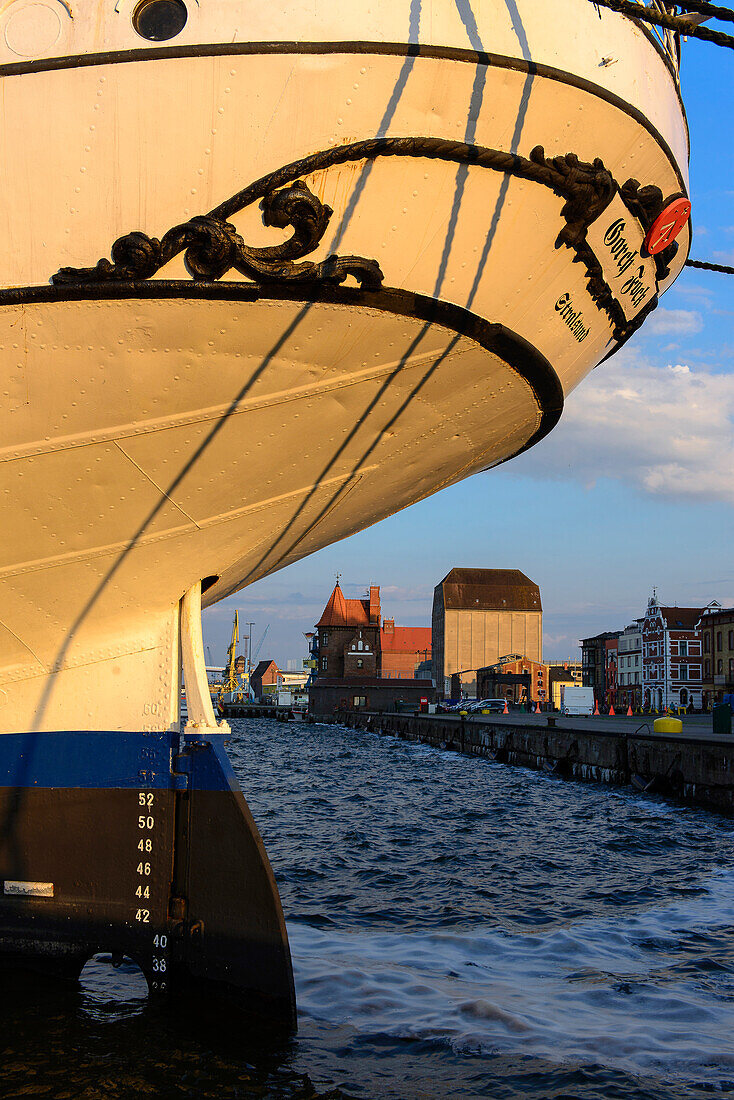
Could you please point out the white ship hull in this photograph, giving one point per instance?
(157, 431)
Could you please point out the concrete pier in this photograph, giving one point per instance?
(695, 767)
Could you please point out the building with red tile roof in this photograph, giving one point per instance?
(672, 660)
(341, 612)
(351, 642)
(348, 636)
(402, 648)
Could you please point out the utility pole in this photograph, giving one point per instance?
(249, 650)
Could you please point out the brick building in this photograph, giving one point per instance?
(672, 657)
(403, 649)
(526, 680)
(359, 662)
(326, 696)
(348, 634)
(717, 636)
(264, 675)
(629, 666)
(594, 663)
(479, 616)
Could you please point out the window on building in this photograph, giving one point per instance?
(683, 672)
(731, 667)
(719, 666)
(718, 641)
(360, 662)
(324, 663)
(707, 641)
(731, 639)
(324, 638)
(683, 648)
(707, 668)
(360, 701)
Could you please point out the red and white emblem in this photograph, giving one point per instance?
(667, 225)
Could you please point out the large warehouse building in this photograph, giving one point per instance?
(479, 616)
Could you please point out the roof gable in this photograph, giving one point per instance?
(342, 612)
(681, 618)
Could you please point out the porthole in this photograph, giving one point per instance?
(159, 20)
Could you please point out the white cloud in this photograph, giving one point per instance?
(668, 322)
(701, 296)
(665, 430)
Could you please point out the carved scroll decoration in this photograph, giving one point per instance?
(212, 247)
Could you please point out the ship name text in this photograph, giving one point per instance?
(573, 318)
(624, 255)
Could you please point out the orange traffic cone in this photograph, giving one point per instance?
(505, 711)
(537, 707)
(629, 711)
(611, 712)
(596, 708)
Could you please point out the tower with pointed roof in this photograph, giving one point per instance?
(349, 636)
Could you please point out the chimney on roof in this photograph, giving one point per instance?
(388, 625)
(375, 604)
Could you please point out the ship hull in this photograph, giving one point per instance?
(260, 288)
(165, 424)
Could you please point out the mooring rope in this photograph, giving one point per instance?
(710, 267)
(703, 7)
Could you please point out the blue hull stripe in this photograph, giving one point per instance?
(113, 760)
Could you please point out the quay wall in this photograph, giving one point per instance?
(693, 770)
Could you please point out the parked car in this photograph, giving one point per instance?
(478, 705)
(497, 706)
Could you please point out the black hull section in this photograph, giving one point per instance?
(118, 842)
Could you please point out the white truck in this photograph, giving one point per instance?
(576, 700)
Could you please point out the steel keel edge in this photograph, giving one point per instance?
(139, 844)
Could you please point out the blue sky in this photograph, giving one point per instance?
(633, 489)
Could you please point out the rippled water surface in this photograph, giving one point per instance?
(458, 928)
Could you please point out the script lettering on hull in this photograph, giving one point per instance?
(617, 240)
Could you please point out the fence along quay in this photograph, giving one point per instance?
(695, 769)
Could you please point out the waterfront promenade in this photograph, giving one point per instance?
(695, 726)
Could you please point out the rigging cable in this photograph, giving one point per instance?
(671, 22)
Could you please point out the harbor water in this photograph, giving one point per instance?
(459, 928)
